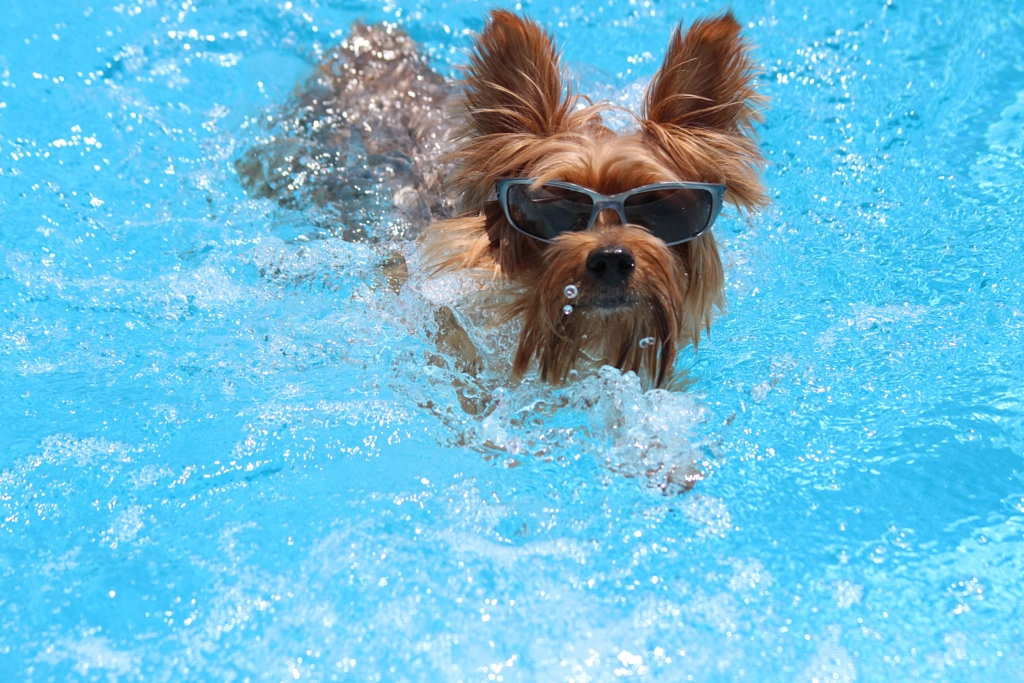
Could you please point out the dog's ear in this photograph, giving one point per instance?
(701, 107)
(513, 83)
(514, 103)
(705, 80)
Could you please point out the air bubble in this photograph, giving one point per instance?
(646, 341)
(567, 309)
(570, 291)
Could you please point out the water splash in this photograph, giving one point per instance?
(316, 371)
(567, 309)
(647, 341)
(571, 291)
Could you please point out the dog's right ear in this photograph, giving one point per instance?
(514, 82)
(514, 102)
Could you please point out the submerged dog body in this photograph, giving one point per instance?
(613, 293)
(362, 140)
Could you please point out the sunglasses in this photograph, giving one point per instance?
(672, 212)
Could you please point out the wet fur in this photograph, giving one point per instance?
(369, 120)
(517, 117)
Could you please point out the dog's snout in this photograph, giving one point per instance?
(611, 265)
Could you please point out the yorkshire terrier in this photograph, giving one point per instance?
(600, 242)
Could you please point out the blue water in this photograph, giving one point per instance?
(224, 455)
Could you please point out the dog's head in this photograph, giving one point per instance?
(614, 292)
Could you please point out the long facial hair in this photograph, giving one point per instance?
(558, 329)
(518, 118)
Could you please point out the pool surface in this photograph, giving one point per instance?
(229, 451)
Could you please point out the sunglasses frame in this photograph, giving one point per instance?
(616, 202)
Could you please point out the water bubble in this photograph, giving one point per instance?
(567, 309)
(646, 341)
(571, 291)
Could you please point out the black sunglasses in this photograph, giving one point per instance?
(672, 212)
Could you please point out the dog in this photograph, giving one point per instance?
(377, 137)
(599, 242)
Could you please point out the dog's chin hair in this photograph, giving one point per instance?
(609, 311)
(563, 342)
(558, 340)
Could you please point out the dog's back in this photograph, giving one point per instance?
(362, 138)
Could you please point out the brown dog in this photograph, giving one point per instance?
(606, 287)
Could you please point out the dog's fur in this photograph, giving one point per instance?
(362, 139)
(519, 118)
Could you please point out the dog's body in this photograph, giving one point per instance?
(363, 138)
(517, 118)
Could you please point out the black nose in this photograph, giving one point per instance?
(610, 265)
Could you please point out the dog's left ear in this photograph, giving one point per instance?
(701, 106)
(705, 81)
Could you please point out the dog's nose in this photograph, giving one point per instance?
(611, 265)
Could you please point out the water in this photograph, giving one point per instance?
(229, 453)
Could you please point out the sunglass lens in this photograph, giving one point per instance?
(549, 210)
(672, 215)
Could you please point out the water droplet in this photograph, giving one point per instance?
(567, 309)
(646, 341)
(571, 291)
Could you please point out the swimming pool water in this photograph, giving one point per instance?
(224, 455)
